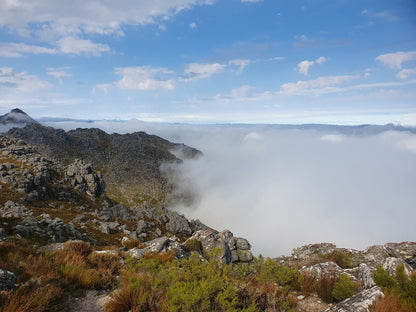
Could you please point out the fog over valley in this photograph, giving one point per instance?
(286, 186)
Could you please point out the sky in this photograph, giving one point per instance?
(211, 61)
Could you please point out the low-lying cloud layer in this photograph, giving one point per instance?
(283, 188)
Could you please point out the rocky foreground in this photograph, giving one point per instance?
(62, 237)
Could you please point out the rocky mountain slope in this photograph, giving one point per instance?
(62, 237)
(130, 163)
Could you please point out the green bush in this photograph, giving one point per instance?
(342, 258)
(383, 279)
(271, 271)
(401, 286)
(344, 288)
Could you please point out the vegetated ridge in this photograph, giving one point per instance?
(130, 163)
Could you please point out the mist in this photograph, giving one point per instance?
(283, 188)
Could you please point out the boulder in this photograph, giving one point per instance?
(360, 302)
(227, 245)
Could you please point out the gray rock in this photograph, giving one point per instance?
(244, 255)
(391, 263)
(372, 256)
(405, 250)
(178, 224)
(14, 210)
(79, 218)
(136, 253)
(412, 262)
(142, 225)
(319, 270)
(365, 274)
(243, 244)
(307, 251)
(360, 302)
(104, 228)
(157, 245)
(7, 279)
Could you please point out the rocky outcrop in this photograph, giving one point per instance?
(130, 162)
(360, 302)
(83, 179)
(307, 251)
(223, 247)
(14, 210)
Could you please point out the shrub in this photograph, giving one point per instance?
(342, 258)
(162, 257)
(133, 242)
(383, 279)
(271, 271)
(324, 288)
(401, 287)
(389, 303)
(344, 288)
(193, 245)
(80, 276)
(79, 247)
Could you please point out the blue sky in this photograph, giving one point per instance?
(211, 61)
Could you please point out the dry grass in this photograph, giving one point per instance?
(136, 294)
(79, 247)
(162, 257)
(133, 242)
(389, 303)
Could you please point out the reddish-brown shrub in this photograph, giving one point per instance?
(79, 247)
(163, 257)
(389, 303)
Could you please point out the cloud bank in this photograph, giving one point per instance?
(282, 188)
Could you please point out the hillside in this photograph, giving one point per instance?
(67, 245)
(130, 163)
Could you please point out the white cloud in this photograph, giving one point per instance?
(316, 86)
(241, 64)
(240, 94)
(252, 1)
(143, 78)
(59, 73)
(20, 81)
(303, 38)
(75, 45)
(406, 73)
(69, 18)
(395, 60)
(19, 49)
(192, 25)
(386, 15)
(303, 67)
(196, 71)
(321, 60)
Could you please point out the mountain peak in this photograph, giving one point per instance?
(17, 116)
(18, 111)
